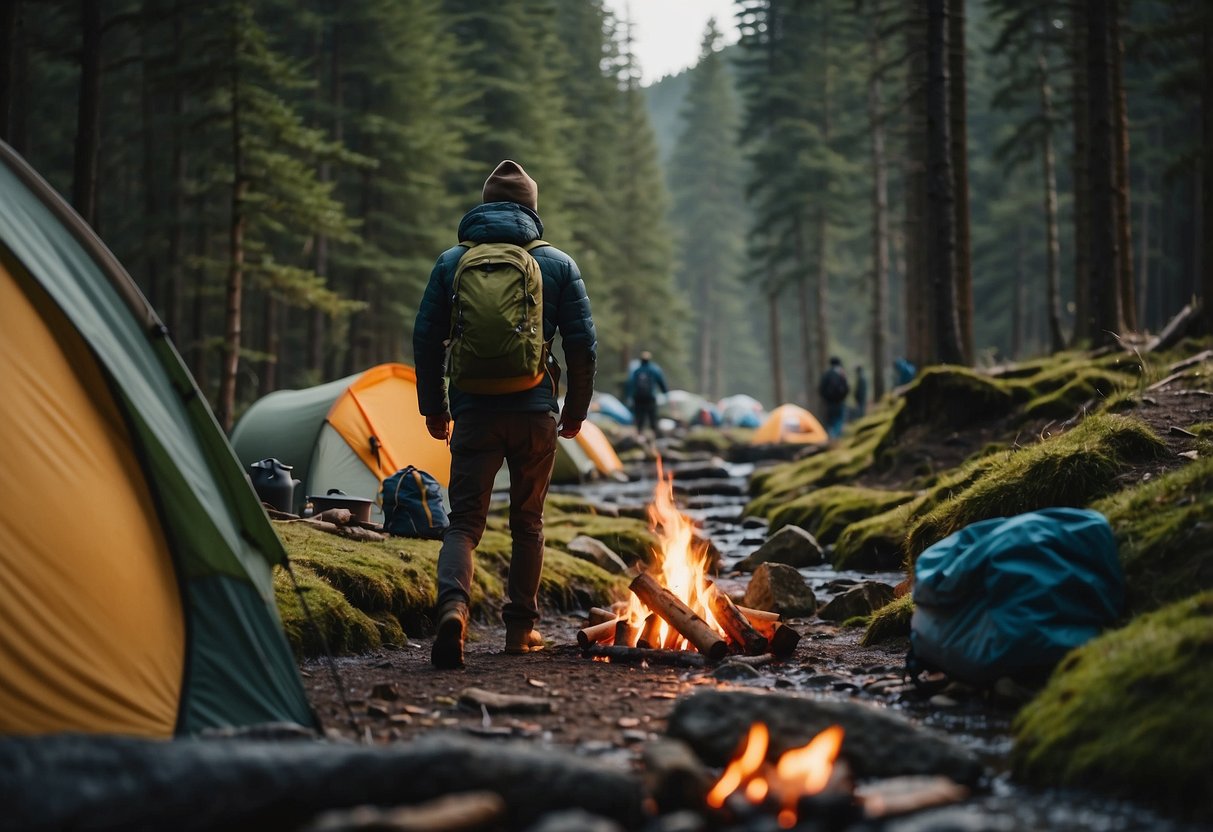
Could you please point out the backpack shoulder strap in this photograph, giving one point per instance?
(534, 244)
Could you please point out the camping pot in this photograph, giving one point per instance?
(360, 507)
(273, 483)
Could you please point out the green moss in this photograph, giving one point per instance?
(568, 582)
(877, 542)
(628, 537)
(1202, 429)
(390, 631)
(1071, 469)
(1165, 531)
(1128, 713)
(344, 628)
(826, 512)
(715, 440)
(1065, 401)
(889, 622)
(565, 504)
(852, 456)
(949, 397)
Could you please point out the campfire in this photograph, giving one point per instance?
(805, 781)
(676, 613)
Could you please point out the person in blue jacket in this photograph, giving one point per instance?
(641, 392)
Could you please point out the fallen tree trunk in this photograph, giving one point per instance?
(119, 783)
(679, 616)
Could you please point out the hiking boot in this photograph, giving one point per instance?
(447, 653)
(522, 638)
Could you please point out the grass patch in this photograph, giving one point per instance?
(827, 511)
(1128, 713)
(1071, 469)
(1165, 531)
(890, 622)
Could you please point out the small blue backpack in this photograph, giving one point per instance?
(412, 505)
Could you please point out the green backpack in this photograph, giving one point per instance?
(496, 343)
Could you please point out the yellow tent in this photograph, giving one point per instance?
(791, 424)
(599, 449)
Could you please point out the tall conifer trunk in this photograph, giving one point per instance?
(9, 46)
(1205, 282)
(1104, 268)
(958, 116)
(233, 307)
(880, 213)
(1057, 339)
(1123, 217)
(941, 207)
(822, 278)
(805, 313)
(919, 310)
(152, 228)
(1081, 171)
(777, 387)
(88, 114)
(176, 251)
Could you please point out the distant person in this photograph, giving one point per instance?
(834, 389)
(861, 392)
(641, 393)
(904, 371)
(505, 409)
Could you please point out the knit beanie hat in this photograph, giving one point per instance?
(509, 183)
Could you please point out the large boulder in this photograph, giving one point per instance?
(791, 545)
(779, 588)
(877, 742)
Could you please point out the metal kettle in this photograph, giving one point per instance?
(273, 483)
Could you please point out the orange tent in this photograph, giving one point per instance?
(791, 424)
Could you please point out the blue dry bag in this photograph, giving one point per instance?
(1011, 596)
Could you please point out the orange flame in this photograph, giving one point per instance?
(799, 772)
(680, 563)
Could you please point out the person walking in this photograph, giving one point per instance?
(834, 389)
(502, 284)
(643, 383)
(861, 392)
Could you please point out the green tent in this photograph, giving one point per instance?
(136, 591)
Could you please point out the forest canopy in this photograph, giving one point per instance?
(942, 180)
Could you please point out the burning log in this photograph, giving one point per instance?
(783, 640)
(679, 616)
(626, 634)
(650, 631)
(636, 655)
(588, 636)
(737, 626)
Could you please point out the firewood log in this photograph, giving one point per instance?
(336, 516)
(679, 616)
(736, 625)
(648, 633)
(599, 615)
(588, 636)
(784, 640)
(636, 655)
(625, 633)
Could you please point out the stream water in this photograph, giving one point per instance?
(1005, 806)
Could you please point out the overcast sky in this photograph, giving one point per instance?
(667, 33)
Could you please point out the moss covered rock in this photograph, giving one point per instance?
(876, 543)
(1129, 714)
(890, 622)
(626, 536)
(331, 621)
(1083, 387)
(1071, 469)
(1165, 531)
(827, 511)
(949, 397)
(855, 454)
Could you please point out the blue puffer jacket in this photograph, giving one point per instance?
(565, 308)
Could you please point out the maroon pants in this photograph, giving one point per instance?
(480, 442)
